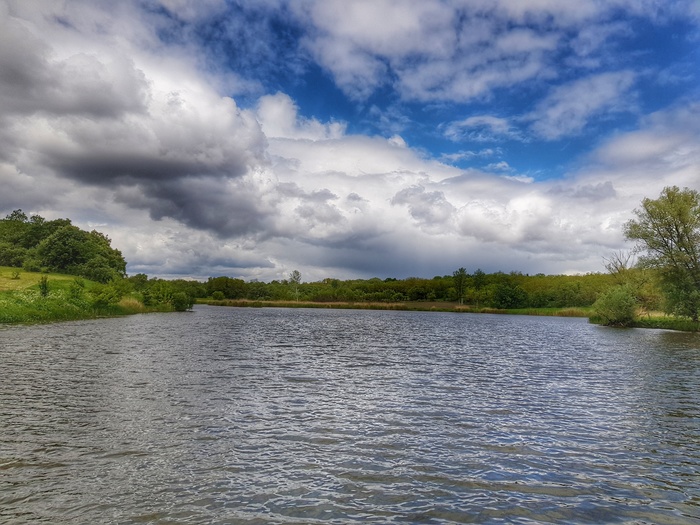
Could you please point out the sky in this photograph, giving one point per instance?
(348, 138)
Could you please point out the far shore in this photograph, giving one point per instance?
(655, 320)
(419, 306)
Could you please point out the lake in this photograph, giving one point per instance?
(300, 416)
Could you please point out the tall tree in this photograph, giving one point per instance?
(89, 254)
(667, 231)
(460, 280)
(479, 279)
(295, 279)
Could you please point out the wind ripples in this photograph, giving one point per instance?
(307, 416)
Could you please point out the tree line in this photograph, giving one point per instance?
(494, 290)
(662, 272)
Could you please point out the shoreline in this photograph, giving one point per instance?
(648, 321)
(417, 306)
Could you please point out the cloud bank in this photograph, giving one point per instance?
(142, 120)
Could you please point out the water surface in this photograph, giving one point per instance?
(259, 416)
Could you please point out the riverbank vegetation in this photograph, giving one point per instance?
(424, 306)
(497, 291)
(658, 289)
(54, 271)
(32, 297)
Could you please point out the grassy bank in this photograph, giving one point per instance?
(656, 320)
(28, 297)
(422, 306)
(664, 322)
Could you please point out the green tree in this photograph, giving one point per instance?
(27, 232)
(479, 280)
(508, 294)
(139, 281)
(17, 216)
(88, 254)
(11, 254)
(617, 306)
(460, 280)
(295, 279)
(667, 232)
(231, 288)
(181, 302)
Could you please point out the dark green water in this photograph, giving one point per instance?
(263, 416)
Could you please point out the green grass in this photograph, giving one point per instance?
(658, 320)
(21, 301)
(12, 279)
(667, 323)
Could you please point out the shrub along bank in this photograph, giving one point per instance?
(27, 297)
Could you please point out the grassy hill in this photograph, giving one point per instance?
(29, 297)
(13, 279)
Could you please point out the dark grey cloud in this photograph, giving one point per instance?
(115, 168)
(224, 208)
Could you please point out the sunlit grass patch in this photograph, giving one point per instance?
(17, 279)
(131, 305)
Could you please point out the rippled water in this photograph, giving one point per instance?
(326, 416)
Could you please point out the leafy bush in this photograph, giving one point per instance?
(616, 307)
(181, 302)
(11, 255)
(44, 286)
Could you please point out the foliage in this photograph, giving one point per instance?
(36, 244)
(667, 231)
(230, 288)
(104, 295)
(11, 254)
(74, 251)
(39, 298)
(44, 286)
(616, 307)
(460, 282)
(508, 294)
(181, 302)
(481, 290)
(295, 280)
(667, 323)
